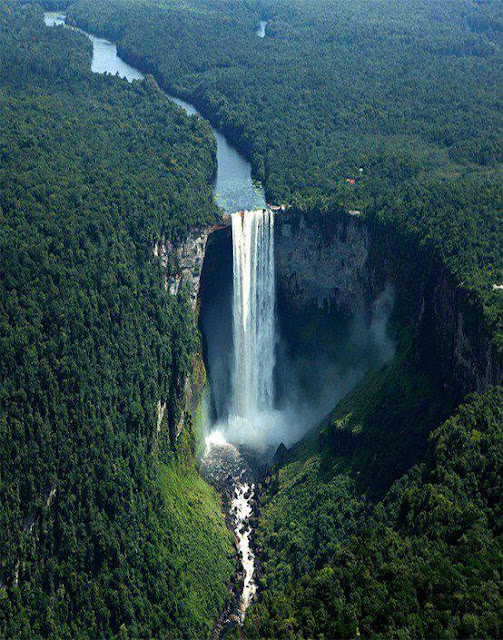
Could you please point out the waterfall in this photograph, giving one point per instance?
(254, 319)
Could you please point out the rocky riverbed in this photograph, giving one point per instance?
(233, 473)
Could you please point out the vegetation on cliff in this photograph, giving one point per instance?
(420, 562)
(401, 99)
(93, 506)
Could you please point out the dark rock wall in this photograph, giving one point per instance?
(327, 268)
(346, 263)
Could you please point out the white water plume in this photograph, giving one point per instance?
(254, 318)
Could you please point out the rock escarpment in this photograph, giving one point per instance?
(182, 263)
(346, 262)
(323, 266)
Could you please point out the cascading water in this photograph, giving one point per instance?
(254, 326)
(252, 381)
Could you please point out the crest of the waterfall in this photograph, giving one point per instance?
(254, 315)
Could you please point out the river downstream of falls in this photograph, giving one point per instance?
(223, 464)
(225, 467)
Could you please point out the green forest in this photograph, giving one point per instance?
(106, 529)
(384, 521)
(421, 562)
(401, 97)
(374, 527)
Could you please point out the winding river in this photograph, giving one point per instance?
(234, 190)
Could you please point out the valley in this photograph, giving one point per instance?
(250, 295)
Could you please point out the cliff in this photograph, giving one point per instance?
(323, 267)
(182, 263)
(345, 262)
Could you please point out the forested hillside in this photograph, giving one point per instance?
(385, 524)
(106, 529)
(385, 521)
(421, 563)
(400, 97)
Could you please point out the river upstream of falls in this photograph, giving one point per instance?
(223, 464)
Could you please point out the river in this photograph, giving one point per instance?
(223, 466)
(261, 28)
(234, 188)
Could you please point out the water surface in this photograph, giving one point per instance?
(261, 28)
(234, 188)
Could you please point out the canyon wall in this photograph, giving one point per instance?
(181, 267)
(461, 342)
(326, 265)
(183, 263)
(342, 261)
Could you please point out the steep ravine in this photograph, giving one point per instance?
(341, 266)
(344, 263)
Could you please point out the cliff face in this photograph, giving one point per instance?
(182, 263)
(346, 263)
(464, 350)
(323, 266)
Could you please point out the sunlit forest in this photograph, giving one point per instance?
(91, 541)
(384, 521)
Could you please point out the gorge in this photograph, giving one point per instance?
(266, 394)
(307, 318)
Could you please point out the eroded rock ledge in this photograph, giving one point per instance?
(346, 262)
(326, 267)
